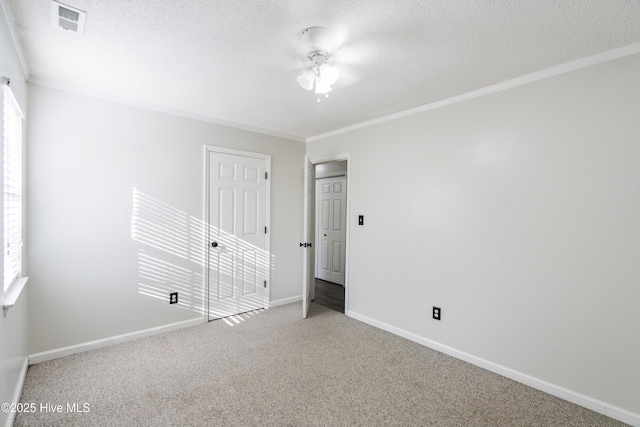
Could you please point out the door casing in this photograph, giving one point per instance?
(314, 162)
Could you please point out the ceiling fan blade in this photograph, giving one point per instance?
(361, 53)
(341, 34)
(349, 76)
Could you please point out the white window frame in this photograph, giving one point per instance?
(12, 137)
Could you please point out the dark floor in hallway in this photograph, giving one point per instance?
(330, 295)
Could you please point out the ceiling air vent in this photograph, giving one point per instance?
(67, 17)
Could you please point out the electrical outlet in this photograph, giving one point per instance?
(437, 312)
(173, 298)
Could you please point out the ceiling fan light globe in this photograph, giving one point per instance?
(306, 79)
(322, 86)
(329, 74)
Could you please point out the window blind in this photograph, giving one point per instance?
(12, 138)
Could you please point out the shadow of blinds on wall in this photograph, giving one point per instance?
(12, 141)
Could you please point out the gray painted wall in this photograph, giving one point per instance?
(517, 214)
(92, 164)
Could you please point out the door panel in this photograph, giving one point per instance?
(324, 221)
(251, 213)
(336, 258)
(224, 265)
(324, 255)
(238, 261)
(337, 215)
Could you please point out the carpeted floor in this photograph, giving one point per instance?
(275, 369)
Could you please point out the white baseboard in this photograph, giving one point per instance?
(18, 391)
(285, 301)
(92, 345)
(555, 390)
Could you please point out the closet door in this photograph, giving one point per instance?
(238, 258)
(331, 210)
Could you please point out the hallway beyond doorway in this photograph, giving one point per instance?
(330, 295)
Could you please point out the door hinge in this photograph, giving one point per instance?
(265, 230)
(305, 245)
(266, 175)
(265, 283)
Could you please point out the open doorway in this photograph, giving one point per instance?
(330, 234)
(310, 239)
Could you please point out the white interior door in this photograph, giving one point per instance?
(238, 260)
(331, 211)
(307, 257)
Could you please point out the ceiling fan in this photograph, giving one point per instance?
(326, 52)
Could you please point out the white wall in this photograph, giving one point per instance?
(13, 323)
(517, 213)
(91, 163)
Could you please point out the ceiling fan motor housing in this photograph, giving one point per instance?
(319, 39)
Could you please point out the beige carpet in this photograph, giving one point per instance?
(275, 369)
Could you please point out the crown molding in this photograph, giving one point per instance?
(518, 81)
(172, 111)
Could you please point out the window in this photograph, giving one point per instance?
(12, 138)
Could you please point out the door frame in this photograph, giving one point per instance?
(208, 149)
(347, 246)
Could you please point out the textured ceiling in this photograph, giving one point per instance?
(236, 61)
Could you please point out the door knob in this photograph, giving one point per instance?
(214, 244)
